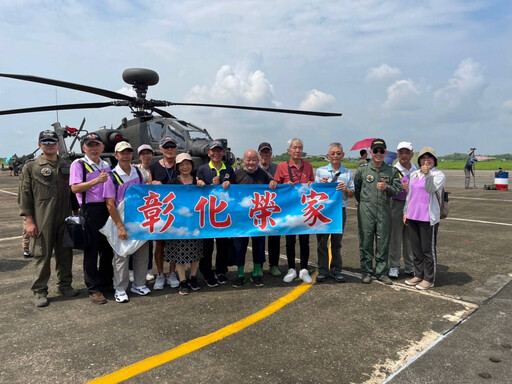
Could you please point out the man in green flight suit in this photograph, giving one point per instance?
(375, 183)
(46, 200)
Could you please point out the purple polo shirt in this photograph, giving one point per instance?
(94, 194)
(109, 192)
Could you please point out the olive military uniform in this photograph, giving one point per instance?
(46, 196)
(374, 215)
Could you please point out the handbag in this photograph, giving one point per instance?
(76, 235)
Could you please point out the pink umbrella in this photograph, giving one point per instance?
(365, 143)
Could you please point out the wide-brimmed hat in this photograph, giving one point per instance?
(430, 151)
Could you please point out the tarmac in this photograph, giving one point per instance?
(458, 332)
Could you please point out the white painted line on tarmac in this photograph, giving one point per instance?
(11, 238)
(8, 192)
(479, 221)
(479, 198)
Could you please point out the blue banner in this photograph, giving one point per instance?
(155, 212)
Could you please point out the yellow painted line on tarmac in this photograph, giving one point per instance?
(203, 341)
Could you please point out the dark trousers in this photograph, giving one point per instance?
(304, 251)
(423, 243)
(97, 276)
(323, 251)
(221, 259)
(274, 248)
(258, 250)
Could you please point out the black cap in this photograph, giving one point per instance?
(167, 140)
(378, 143)
(48, 137)
(264, 146)
(92, 137)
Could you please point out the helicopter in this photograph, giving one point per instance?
(149, 123)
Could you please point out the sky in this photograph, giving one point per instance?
(432, 72)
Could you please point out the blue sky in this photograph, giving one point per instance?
(435, 73)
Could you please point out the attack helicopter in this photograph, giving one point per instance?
(149, 123)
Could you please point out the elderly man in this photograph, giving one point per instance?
(45, 201)
(334, 172)
(250, 173)
(296, 171)
(162, 172)
(216, 172)
(375, 183)
(273, 246)
(87, 179)
(399, 233)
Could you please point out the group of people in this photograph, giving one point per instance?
(397, 205)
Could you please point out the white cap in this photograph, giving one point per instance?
(122, 145)
(404, 144)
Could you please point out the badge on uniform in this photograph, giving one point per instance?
(370, 178)
(46, 171)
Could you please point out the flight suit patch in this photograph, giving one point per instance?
(370, 178)
(46, 171)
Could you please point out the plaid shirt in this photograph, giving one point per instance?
(343, 174)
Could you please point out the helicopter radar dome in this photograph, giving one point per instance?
(135, 76)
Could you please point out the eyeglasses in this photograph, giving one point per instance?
(171, 146)
(379, 150)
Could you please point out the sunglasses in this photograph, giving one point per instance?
(171, 146)
(379, 150)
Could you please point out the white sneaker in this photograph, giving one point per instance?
(142, 290)
(393, 272)
(121, 297)
(172, 280)
(160, 281)
(292, 274)
(149, 276)
(304, 275)
(132, 278)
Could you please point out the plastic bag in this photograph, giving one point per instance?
(121, 247)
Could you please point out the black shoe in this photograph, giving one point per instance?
(184, 288)
(320, 278)
(339, 277)
(194, 285)
(212, 282)
(222, 279)
(257, 280)
(27, 255)
(239, 282)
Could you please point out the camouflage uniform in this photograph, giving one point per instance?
(46, 196)
(374, 215)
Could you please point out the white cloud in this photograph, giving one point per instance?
(402, 95)
(507, 106)
(235, 86)
(246, 202)
(127, 91)
(293, 221)
(316, 100)
(464, 91)
(383, 73)
(184, 211)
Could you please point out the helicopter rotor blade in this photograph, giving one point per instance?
(65, 84)
(277, 110)
(63, 107)
(163, 113)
